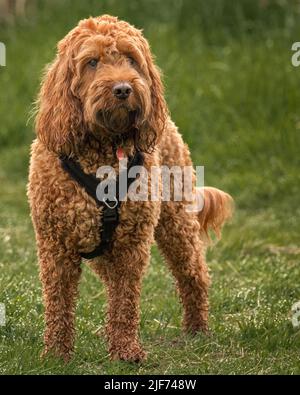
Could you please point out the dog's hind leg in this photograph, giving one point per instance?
(178, 238)
(181, 235)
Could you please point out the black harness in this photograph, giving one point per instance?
(110, 210)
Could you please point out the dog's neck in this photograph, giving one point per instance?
(99, 151)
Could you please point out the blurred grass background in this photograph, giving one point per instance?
(233, 92)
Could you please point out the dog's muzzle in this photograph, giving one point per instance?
(119, 120)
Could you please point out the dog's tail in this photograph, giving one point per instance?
(217, 209)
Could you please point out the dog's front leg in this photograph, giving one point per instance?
(59, 273)
(123, 282)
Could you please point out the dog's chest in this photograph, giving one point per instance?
(87, 216)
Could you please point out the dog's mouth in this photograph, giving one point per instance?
(119, 120)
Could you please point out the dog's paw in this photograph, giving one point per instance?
(132, 353)
(193, 328)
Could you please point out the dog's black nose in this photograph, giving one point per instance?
(122, 90)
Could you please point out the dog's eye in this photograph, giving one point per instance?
(93, 63)
(131, 60)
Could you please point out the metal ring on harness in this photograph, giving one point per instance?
(107, 202)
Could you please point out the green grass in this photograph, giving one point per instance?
(234, 94)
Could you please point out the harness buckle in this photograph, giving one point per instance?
(111, 204)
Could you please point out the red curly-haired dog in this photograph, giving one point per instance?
(103, 89)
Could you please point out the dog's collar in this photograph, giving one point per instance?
(110, 212)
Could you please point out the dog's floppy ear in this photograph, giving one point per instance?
(59, 121)
(158, 115)
(159, 107)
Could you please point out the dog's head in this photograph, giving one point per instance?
(103, 82)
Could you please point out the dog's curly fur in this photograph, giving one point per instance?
(78, 116)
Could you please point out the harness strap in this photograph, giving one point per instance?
(110, 212)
